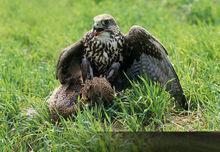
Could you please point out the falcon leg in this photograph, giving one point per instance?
(113, 71)
(87, 72)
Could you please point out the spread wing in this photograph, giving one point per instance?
(144, 54)
(68, 65)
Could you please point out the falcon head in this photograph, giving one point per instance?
(104, 26)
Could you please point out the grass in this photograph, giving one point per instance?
(34, 32)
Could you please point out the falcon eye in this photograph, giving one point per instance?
(105, 22)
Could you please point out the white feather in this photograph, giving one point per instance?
(105, 54)
(104, 37)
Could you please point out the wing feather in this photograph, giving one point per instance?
(68, 65)
(144, 54)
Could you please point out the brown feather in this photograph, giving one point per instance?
(144, 54)
(68, 65)
(64, 98)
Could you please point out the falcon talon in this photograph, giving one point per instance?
(87, 72)
(113, 71)
(110, 75)
(138, 52)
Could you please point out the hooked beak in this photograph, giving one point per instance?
(97, 30)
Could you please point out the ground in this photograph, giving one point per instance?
(32, 35)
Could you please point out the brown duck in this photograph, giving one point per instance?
(64, 99)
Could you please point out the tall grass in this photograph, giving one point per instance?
(34, 32)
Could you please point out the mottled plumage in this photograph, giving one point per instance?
(64, 98)
(98, 90)
(102, 54)
(106, 51)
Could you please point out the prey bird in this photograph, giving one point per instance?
(106, 51)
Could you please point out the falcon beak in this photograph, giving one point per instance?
(97, 30)
(95, 33)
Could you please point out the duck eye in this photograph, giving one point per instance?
(105, 22)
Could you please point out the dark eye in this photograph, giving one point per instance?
(105, 22)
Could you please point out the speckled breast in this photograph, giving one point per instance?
(102, 54)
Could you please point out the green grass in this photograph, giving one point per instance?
(32, 35)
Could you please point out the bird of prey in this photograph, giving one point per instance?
(106, 51)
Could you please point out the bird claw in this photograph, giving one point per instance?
(113, 71)
(87, 72)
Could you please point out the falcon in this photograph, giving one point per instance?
(106, 51)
